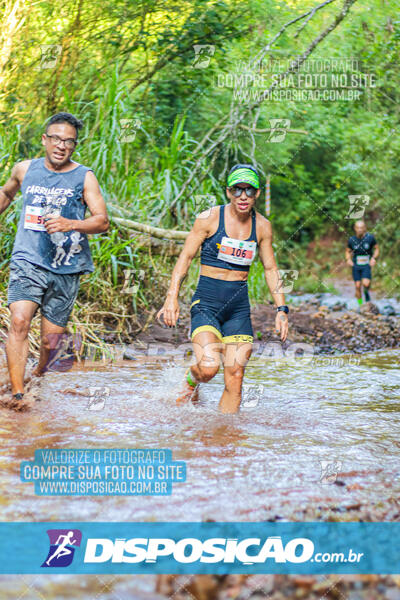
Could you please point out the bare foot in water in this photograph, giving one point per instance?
(188, 393)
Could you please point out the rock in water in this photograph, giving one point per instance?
(338, 306)
(388, 310)
(369, 308)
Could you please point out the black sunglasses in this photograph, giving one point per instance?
(237, 191)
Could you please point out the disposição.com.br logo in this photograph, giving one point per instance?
(63, 543)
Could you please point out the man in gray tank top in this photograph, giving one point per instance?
(51, 248)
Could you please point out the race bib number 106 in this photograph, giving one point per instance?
(237, 252)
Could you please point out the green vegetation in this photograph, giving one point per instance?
(133, 63)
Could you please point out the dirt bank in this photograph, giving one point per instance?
(329, 331)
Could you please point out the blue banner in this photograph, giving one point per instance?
(220, 548)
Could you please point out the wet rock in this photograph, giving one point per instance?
(317, 315)
(203, 587)
(355, 506)
(129, 354)
(339, 306)
(370, 578)
(165, 584)
(198, 587)
(324, 308)
(354, 486)
(369, 308)
(339, 482)
(254, 587)
(305, 581)
(322, 587)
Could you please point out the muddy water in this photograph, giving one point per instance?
(328, 409)
(262, 463)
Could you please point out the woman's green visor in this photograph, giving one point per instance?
(243, 175)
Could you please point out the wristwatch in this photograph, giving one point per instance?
(284, 309)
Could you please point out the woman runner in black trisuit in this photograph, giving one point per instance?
(220, 311)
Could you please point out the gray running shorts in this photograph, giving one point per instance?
(55, 293)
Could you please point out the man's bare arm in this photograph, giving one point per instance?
(13, 184)
(349, 256)
(96, 223)
(374, 256)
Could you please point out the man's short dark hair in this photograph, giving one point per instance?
(64, 117)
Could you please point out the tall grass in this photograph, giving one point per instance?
(139, 179)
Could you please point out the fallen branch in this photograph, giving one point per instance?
(269, 129)
(157, 232)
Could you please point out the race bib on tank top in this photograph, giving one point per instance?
(47, 194)
(237, 252)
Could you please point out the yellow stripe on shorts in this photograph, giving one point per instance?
(232, 339)
(195, 302)
(207, 328)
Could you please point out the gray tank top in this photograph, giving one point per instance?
(47, 192)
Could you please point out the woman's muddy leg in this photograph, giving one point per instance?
(235, 357)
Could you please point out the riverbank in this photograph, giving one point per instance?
(328, 329)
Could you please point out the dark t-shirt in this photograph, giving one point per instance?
(361, 247)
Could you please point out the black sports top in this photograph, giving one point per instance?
(233, 251)
(362, 246)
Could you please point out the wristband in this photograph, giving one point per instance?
(284, 309)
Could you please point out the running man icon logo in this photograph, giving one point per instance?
(252, 394)
(50, 55)
(129, 128)
(357, 206)
(329, 471)
(97, 399)
(62, 542)
(202, 203)
(202, 55)
(63, 347)
(279, 129)
(286, 279)
(134, 276)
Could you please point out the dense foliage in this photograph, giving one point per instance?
(155, 114)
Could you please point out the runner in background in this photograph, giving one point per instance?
(361, 254)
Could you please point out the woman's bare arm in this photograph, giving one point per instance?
(200, 231)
